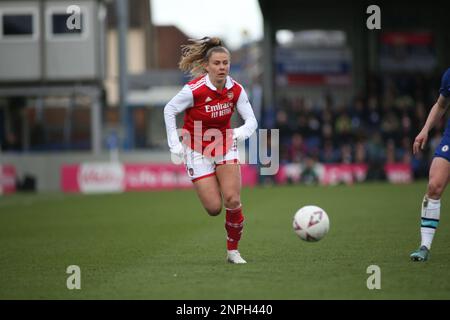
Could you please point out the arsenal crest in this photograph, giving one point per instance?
(230, 95)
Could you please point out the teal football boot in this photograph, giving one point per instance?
(421, 254)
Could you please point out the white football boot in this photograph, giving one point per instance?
(234, 256)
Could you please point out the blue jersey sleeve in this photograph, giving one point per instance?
(445, 84)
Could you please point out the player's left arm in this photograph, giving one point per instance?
(246, 112)
(436, 113)
(444, 93)
(444, 103)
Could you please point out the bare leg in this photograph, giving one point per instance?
(229, 177)
(208, 192)
(438, 180)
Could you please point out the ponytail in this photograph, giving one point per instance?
(196, 54)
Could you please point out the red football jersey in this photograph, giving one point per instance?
(212, 109)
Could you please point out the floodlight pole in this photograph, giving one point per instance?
(122, 29)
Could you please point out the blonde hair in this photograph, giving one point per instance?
(196, 54)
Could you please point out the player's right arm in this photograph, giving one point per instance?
(436, 113)
(183, 100)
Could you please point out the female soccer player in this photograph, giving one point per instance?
(439, 171)
(209, 145)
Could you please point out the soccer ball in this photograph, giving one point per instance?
(311, 223)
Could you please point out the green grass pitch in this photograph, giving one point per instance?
(162, 245)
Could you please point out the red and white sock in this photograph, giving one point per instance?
(234, 223)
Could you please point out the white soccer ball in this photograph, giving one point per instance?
(311, 223)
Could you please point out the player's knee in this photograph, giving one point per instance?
(232, 201)
(214, 210)
(435, 189)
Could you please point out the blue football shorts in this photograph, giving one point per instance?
(443, 150)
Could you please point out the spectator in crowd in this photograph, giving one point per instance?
(328, 153)
(298, 148)
(309, 173)
(360, 152)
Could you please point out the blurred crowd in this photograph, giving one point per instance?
(376, 128)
